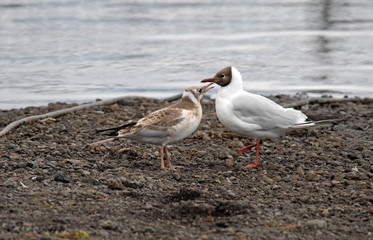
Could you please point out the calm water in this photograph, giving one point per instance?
(54, 50)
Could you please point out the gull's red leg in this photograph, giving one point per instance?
(258, 142)
(245, 149)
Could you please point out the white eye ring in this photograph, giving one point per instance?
(222, 75)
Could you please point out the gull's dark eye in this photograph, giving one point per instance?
(200, 90)
(222, 75)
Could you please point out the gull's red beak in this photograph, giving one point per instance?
(208, 80)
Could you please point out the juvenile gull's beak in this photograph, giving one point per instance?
(206, 88)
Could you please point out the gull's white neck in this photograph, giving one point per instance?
(190, 95)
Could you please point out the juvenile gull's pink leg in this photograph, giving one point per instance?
(161, 152)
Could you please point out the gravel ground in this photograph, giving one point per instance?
(311, 183)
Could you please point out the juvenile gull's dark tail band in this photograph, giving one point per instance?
(114, 131)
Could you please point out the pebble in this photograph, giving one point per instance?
(267, 179)
(115, 184)
(108, 225)
(277, 178)
(312, 176)
(206, 137)
(367, 154)
(316, 223)
(300, 171)
(61, 177)
(229, 162)
(231, 194)
(11, 183)
(176, 176)
(222, 224)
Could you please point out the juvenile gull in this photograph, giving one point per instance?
(167, 125)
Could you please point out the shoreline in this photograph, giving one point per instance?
(306, 93)
(310, 182)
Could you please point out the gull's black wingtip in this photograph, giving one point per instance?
(114, 132)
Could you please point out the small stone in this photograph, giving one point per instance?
(61, 177)
(334, 182)
(15, 156)
(370, 210)
(148, 206)
(176, 176)
(11, 183)
(48, 120)
(115, 184)
(300, 171)
(367, 154)
(222, 224)
(224, 155)
(312, 176)
(366, 166)
(206, 137)
(229, 162)
(231, 194)
(352, 156)
(277, 179)
(316, 223)
(239, 144)
(108, 225)
(267, 179)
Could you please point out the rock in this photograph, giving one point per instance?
(229, 162)
(11, 183)
(370, 210)
(352, 155)
(15, 156)
(312, 176)
(131, 184)
(222, 224)
(108, 225)
(277, 178)
(267, 179)
(231, 194)
(235, 143)
(176, 176)
(300, 171)
(62, 177)
(206, 137)
(148, 206)
(316, 223)
(115, 184)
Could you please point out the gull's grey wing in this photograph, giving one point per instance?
(265, 113)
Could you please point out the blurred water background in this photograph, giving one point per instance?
(77, 51)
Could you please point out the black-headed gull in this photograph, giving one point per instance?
(167, 125)
(250, 114)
